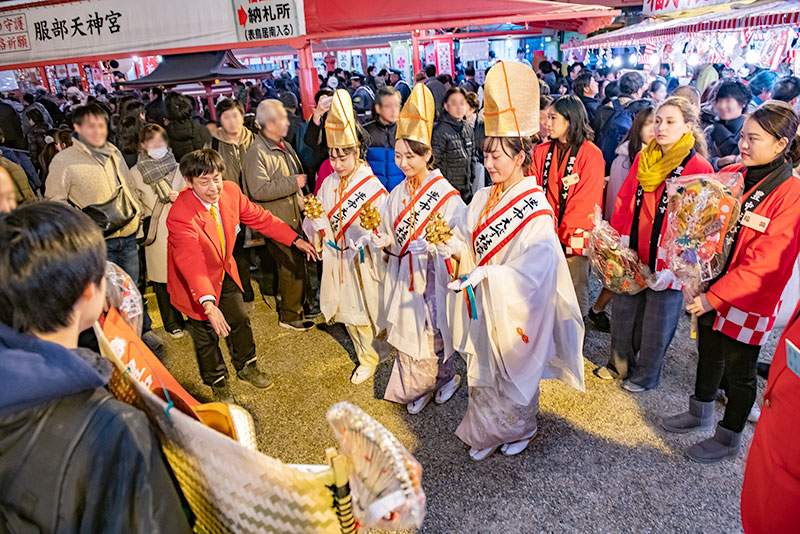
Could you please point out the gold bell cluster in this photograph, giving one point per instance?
(313, 207)
(437, 230)
(370, 217)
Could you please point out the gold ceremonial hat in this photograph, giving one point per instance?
(340, 124)
(511, 100)
(416, 118)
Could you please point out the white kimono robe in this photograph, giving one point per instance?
(528, 324)
(416, 321)
(350, 288)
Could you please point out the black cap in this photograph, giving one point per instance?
(395, 71)
(355, 75)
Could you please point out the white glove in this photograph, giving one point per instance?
(380, 240)
(350, 252)
(418, 246)
(363, 242)
(474, 278)
(450, 247)
(663, 280)
(319, 224)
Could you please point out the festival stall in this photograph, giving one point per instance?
(758, 32)
(35, 34)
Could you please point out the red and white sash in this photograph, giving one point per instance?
(367, 190)
(409, 225)
(498, 230)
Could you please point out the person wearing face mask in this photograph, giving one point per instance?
(736, 313)
(413, 310)
(349, 286)
(642, 325)
(570, 170)
(157, 180)
(526, 323)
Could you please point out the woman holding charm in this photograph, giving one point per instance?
(739, 308)
(571, 172)
(349, 286)
(415, 285)
(642, 325)
(524, 323)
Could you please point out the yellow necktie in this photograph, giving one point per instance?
(221, 233)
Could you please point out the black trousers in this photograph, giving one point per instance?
(172, 318)
(292, 278)
(722, 356)
(242, 257)
(241, 344)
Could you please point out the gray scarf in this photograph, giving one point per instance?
(155, 173)
(100, 153)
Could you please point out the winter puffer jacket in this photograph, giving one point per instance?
(453, 147)
(380, 155)
(187, 136)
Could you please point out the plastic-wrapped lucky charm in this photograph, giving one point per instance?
(370, 217)
(313, 208)
(437, 230)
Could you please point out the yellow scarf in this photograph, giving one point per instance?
(655, 166)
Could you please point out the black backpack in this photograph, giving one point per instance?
(616, 127)
(30, 491)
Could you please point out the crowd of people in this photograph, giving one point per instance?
(448, 218)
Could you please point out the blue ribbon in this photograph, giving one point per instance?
(334, 246)
(361, 254)
(473, 308)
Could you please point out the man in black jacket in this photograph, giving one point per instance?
(453, 143)
(12, 127)
(74, 459)
(469, 84)
(724, 133)
(315, 137)
(586, 88)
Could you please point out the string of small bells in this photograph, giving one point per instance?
(437, 230)
(370, 217)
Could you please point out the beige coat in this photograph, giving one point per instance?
(270, 179)
(155, 253)
(232, 153)
(76, 176)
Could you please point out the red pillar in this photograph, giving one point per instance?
(309, 82)
(84, 81)
(45, 81)
(414, 56)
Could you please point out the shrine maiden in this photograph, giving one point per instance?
(349, 287)
(519, 321)
(415, 284)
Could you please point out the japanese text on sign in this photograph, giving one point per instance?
(259, 20)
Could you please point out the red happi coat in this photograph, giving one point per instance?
(573, 232)
(771, 492)
(748, 296)
(622, 220)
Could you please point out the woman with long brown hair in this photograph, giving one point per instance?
(642, 325)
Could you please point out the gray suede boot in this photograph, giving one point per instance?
(725, 444)
(699, 417)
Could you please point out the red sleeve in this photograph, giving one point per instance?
(587, 193)
(263, 221)
(623, 207)
(187, 255)
(767, 260)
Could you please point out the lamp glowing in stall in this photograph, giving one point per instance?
(728, 42)
(633, 59)
(693, 60)
(617, 62)
(752, 56)
(654, 59)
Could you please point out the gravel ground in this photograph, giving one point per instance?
(600, 463)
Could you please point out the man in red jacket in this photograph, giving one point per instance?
(203, 281)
